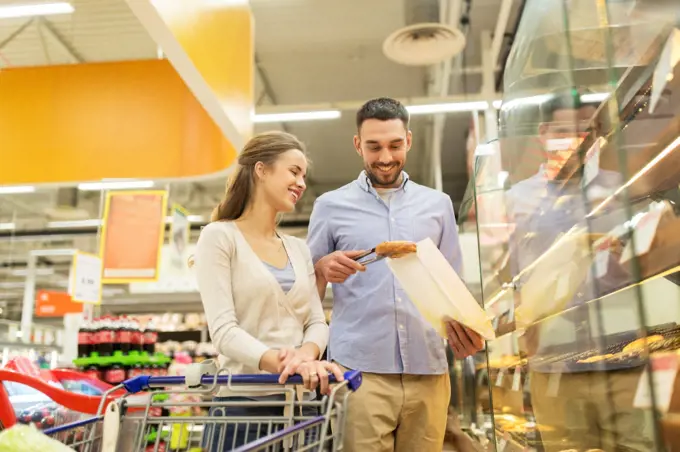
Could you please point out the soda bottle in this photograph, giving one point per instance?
(84, 340)
(150, 337)
(137, 339)
(124, 335)
(106, 337)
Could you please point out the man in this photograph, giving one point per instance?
(583, 410)
(403, 401)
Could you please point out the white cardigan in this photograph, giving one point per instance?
(247, 310)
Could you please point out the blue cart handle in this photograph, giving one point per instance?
(144, 382)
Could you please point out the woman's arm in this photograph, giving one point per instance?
(213, 275)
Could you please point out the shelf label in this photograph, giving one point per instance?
(85, 284)
(554, 384)
(670, 55)
(646, 230)
(591, 167)
(562, 289)
(664, 372)
(517, 379)
(499, 378)
(602, 247)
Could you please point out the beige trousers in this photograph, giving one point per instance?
(397, 412)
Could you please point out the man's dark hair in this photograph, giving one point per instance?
(383, 109)
(565, 99)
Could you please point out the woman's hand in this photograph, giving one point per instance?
(315, 373)
(291, 358)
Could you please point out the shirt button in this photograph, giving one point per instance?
(401, 327)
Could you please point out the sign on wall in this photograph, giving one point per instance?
(132, 236)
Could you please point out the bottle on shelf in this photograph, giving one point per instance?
(137, 337)
(106, 336)
(85, 340)
(150, 338)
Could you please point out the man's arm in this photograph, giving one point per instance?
(320, 242)
(329, 265)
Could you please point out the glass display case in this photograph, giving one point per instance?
(577, 213)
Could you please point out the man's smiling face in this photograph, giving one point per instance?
(383, 146)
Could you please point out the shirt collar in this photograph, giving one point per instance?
(365, 183)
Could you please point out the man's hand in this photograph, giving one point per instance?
(463, 341)
(338, 266)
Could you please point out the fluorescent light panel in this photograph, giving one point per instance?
(37, 9)
(451, 107)
(7, 226)
(191, 218)
(115, 185)
(297, 116)
(15, 189)
(75, 224)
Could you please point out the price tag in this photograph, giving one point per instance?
(591, 166)
(667, 61)
(562, 290)
(85, 282)
(517, 379)
(602, 247)
(502, 444)
(664, 372)
(645, 231)
(499, 378)
(554, 384)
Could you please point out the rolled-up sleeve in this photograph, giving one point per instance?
(213, 275)
(319, 237)
(449, 244)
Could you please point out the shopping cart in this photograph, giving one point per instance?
(127, 425)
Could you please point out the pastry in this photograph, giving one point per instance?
(638, 345)
(395, 249)
(596, 358)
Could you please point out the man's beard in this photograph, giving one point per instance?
(378, 181)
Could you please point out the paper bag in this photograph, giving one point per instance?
(437, 290)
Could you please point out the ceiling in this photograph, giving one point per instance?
(307, 52)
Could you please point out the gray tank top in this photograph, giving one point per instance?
(285, 276)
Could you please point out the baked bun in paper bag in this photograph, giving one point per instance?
(551, 281)
(437, 291)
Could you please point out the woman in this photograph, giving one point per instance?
(258, 287)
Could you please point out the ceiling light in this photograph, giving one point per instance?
(13, 189)
(451, 107)
(40, 9)
(115, 185)
(75, 224)
(38, 272)
(191, 218)
(7, 226)
(594, 97)
(299, 116)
